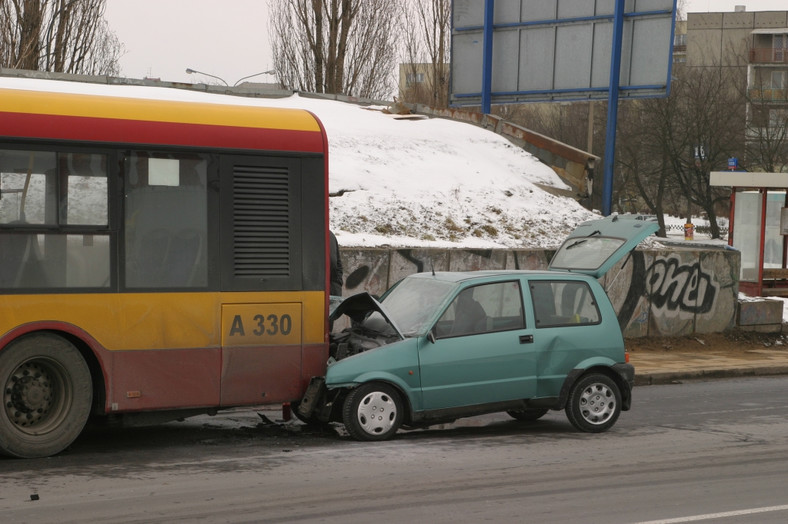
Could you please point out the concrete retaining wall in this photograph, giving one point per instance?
(655, 292)
(764, 315)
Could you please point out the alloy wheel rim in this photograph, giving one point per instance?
(34, 396)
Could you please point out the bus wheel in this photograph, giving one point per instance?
(47, 394)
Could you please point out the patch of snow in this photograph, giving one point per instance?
(435, 182)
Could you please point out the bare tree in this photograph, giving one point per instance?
(64, 36)
(684, 137)
(426, 52)
(335, 46)
(20, 25)
(642, 157)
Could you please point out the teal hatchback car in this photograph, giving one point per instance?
(446, 345)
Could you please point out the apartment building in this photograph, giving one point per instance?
(751, 45)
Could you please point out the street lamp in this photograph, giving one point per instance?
(190, 71)
(269, 72)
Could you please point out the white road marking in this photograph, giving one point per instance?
(723, 515)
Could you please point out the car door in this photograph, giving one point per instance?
(569, 328)
(482, 356)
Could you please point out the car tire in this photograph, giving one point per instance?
(594, 403)
(47, 394)
(372, 411)
(527, 415)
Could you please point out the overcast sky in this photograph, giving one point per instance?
(225, 38)
(229, 38)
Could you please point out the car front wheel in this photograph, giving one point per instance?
(594, 403)
(372, 412)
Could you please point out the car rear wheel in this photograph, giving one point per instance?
(594, 403)
(527, 415)
(372, 412)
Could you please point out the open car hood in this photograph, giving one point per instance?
(595, 246)
(358, 307)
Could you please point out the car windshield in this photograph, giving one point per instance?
(413, 303)
(585, 252)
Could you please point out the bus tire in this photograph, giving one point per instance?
(47, 394)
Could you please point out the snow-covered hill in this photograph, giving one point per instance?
(435, 182)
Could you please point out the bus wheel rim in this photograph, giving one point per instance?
(35, 395)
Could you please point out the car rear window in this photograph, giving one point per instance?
(563, 303)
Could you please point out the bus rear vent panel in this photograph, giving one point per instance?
(261, 222)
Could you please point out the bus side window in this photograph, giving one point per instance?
(14, 255)
(27, 187)
(85, 182)
(166, 221)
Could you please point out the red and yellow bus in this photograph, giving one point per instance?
(158, 258)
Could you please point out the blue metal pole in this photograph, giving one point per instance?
(612, 108)
(487, 49)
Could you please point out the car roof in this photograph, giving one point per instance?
(463, 276)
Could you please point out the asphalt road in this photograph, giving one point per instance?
(706, 451)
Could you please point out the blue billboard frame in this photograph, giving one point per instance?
(613, 90)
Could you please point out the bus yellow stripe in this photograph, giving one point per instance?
(65, 104)
(156, 320)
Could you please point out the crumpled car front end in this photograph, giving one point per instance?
(370, 327)
(358, 324)
(361, 325)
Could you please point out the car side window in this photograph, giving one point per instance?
(484, 308)
(563, 303)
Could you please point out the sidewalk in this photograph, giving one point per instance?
(652, 367)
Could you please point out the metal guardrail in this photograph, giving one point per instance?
(703, 230)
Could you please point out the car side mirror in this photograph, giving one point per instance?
(431, 336)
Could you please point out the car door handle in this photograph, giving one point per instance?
(526, 339)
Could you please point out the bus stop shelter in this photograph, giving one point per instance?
(758, 228)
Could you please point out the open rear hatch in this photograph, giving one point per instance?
(595, 246)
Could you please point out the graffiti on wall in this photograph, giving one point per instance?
(676, 286)
(654, 292)
(671, 285)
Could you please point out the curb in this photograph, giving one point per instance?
(674, 377)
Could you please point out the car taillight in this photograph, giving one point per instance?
(626, 357)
